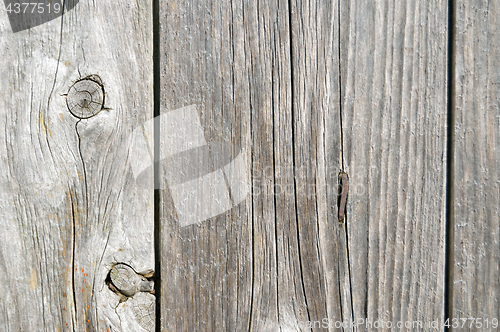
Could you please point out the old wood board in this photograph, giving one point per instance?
(266, 76)
(262, 104)
(475, 281)
(70, 205)
(270, 261)
(394, 97)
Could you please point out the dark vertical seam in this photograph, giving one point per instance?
(252, 176)
(231, 33)
(86, 196)
(274, 191)
(156, 158)
(275, 156)
(342, 160)
(340, 92)
(210, 152)
(344, 224)
(73, 253)
(250, 318)
(233, 87)
(448, 267)
(252, 211)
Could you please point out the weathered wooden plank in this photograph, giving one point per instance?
(70, 205)
(271, 261)
(476, 176)
(394, 81)
(316, 151)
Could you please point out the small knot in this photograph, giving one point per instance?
(85, 97)
(126, 281)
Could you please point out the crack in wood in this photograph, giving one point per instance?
(343, 188)
(74, 309)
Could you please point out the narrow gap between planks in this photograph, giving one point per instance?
(450, 146)
(156, 170)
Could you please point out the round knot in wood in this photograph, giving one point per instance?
(85, 97)
(128, 282)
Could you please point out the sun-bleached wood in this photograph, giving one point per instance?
(70, 207)
(272, 80)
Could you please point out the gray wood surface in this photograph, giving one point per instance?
(70, 206)
(271, 262)
(260, 103)
(394, 86)
(476, 91)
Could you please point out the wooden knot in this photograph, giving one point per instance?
(85, 97)
(126, 281)
(144, 311)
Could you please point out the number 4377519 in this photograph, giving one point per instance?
(34, 8)
(478, 323)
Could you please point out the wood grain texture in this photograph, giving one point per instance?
(316, 159)
(70, 206)
(269, 263)
(394, 85)
(476, 91)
